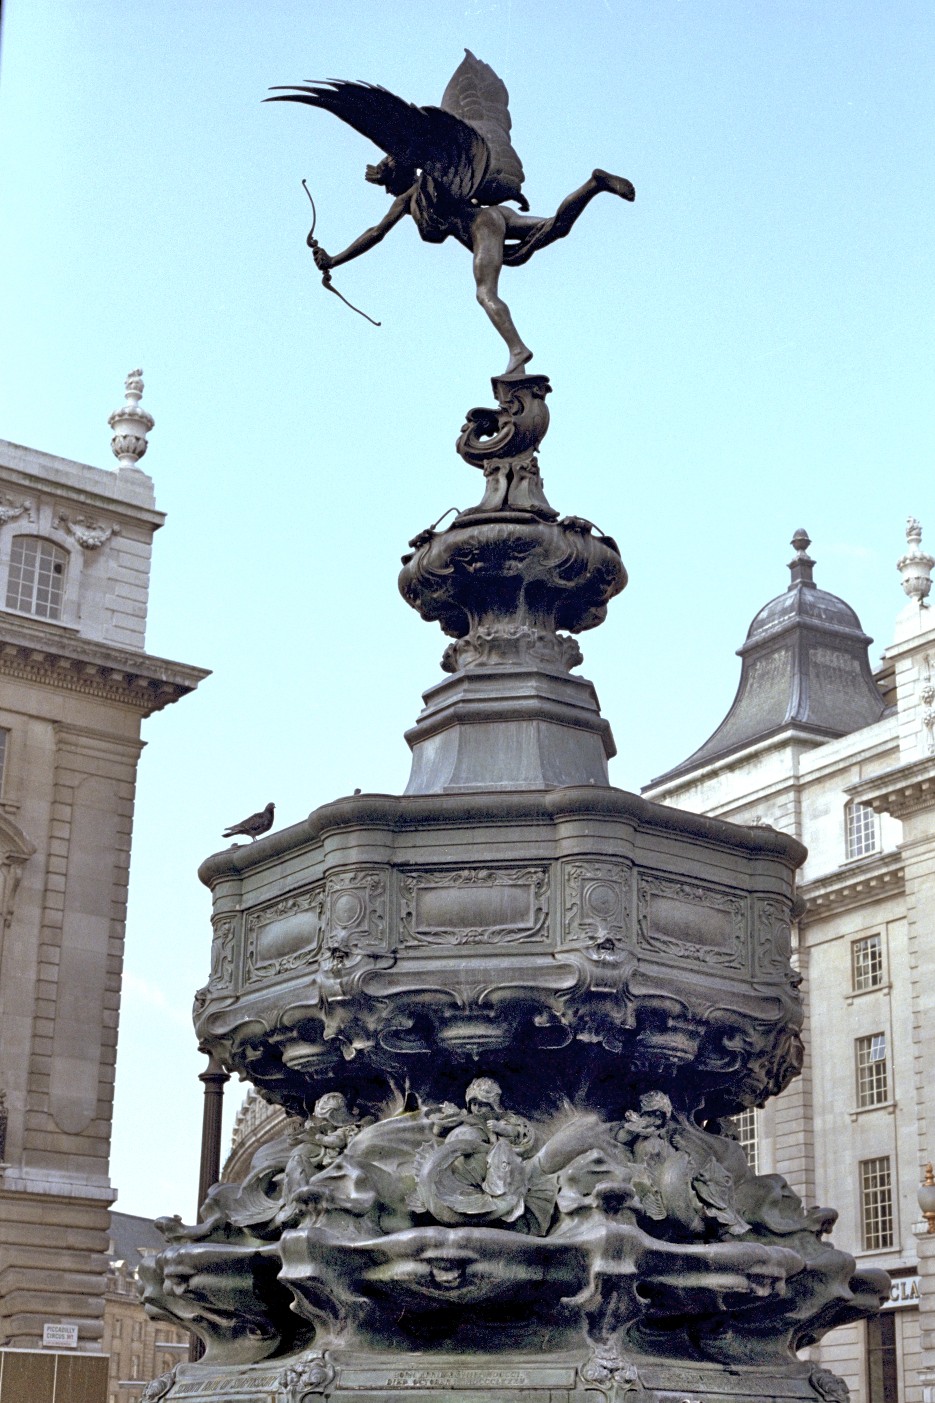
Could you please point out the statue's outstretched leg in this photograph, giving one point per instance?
(531, 233)
(487, 234)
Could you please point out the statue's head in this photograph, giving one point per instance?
(657, 1105)
(332, 1106)
(483, 1094)
(395, 177)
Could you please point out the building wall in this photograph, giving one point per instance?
(75, 685)
(140, 1349)
(815, 1133)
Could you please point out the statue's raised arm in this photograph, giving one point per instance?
(454, 169)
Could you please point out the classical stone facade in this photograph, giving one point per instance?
(845, 762)
(139, 1349)
(75, 685)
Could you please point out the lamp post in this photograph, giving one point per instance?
(213, 1079)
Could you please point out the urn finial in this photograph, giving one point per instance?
(802, 565)
(915, 566)
(130, 423)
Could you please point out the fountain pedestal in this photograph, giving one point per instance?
(512, 1011)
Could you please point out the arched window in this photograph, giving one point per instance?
(37, 577)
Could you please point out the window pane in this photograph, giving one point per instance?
(867, 963)
(872, 1079)
(876, 1203)
(745, 1128)
(36, 577)
(861, 826)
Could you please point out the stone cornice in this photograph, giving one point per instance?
(900, 791)
(100, 488)
(44, 656)
(855, 885)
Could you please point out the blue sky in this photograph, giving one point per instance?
(745, 350)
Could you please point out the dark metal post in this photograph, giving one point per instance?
(213, 1077)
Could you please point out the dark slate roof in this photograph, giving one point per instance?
(804, 666)
(128, 1234)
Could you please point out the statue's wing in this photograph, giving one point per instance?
(479, 97)
(430, 139)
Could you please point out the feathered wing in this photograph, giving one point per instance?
(437, 141)
(477, 96)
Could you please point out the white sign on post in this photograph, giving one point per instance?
(56, 1336)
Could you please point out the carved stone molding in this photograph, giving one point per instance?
(11, 508)
(474, 906)
(90, 533)
(285, 935)
(15, 851)
(868, 880)
(684, 920)
(142, 682)
(907, 789)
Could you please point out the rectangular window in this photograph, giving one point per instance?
(745, 1128)
(862, 830)
(118, 1327)
(3, 743)
(876, 1203)
(867, 963)
(882, 1367)
(872, 1079)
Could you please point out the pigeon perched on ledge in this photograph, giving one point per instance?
(253, 826)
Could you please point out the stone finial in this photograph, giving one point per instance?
(801, 567)
(130, 424)
(915, 566)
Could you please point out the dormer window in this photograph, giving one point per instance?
(36, 579)
(862, 830)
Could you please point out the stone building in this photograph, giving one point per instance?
(75, 685)
(139, 1348)
(255, 1124)
(816, 745)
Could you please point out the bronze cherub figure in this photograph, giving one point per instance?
(453, 169)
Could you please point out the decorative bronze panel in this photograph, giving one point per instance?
(284, 935)
(597, 907)
(355, 912)
(474, 906)
(687, 921)
(772, 935)
(222, 953)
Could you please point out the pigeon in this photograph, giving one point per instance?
(253, 826)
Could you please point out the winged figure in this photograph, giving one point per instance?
(454, 170)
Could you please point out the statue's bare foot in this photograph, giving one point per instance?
(520, 357)
(615, 184)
